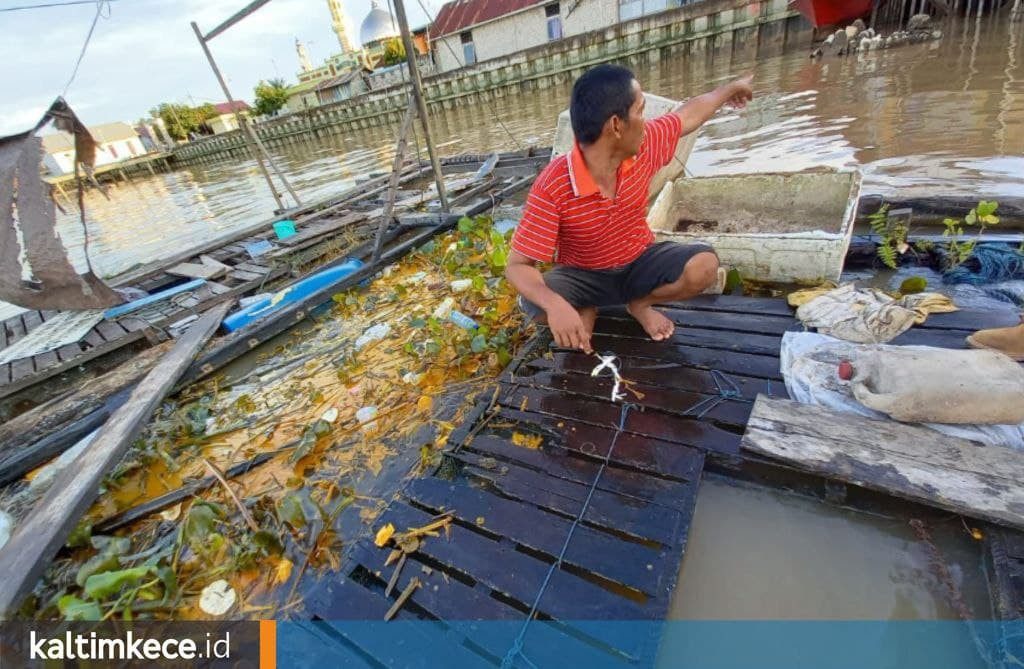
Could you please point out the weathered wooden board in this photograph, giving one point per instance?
(28, 552)
(906, 461)
(199, 270)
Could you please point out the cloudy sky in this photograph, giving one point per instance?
(145, 53)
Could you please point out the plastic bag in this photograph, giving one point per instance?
(809, 363)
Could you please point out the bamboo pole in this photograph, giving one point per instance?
(396, 170)
(421, 103)
(241, 124)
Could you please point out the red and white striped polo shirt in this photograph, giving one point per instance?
(567, 220)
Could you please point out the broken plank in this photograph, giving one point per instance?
(26, 555)
(735, 342)
(244, 275)
(320, 228)
(198, 270)
(899, 459)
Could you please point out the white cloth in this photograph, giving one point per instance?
(809, 363)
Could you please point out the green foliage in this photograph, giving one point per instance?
(394, 52)
(959, 250)
(180, 120)
(893, 234)
(105, 584)
(271, 96)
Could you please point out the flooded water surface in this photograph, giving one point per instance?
(944, 118)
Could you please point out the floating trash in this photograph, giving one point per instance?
(461, 285)
(462, 320)
(217, 598)
(373, 334)
(330, 415)
(444, 309)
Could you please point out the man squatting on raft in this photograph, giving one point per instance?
(587, 212)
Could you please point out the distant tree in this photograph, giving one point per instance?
(180, 120)
(271, 96)
(394, 52)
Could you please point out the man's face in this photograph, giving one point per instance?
(631, 132)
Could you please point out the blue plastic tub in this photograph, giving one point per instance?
(292, 293)
(284, 229)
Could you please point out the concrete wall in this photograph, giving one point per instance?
(708, 27)
(106, 153)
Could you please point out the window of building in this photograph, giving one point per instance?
(468, 50)
(113, 151)
(131, 149)
(554, 21)
(631, 9)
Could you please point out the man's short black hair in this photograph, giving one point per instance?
(599, 94)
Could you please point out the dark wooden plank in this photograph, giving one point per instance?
(608, 510)
(417, 647)
(556, 460)
(731, 411)
(714, 339)
(37, 539)
(32, 320)
(46, 360)
(321, 228)
(616, 320)
(94, 352)
(941, 338)
(69, 352)
(770, 306)
(634, 565)
(244, 276)
(111, 330)
(497, 565)
(460, 606)
(647, 423)
(252, 267)
(633, 451)
(669, 356)
(973, 319)
(94, 338)
(22, 368)
(908, 461)
(643, 371)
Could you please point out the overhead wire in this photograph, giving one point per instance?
(100, 4)
(49, 4)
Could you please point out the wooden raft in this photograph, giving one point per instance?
(907, 461)
(517, 474)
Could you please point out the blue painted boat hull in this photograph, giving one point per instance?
(292, 293)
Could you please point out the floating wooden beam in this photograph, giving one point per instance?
(25, 557)
(907, 461)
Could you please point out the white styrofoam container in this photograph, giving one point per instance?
(821, 204)
(654, 106)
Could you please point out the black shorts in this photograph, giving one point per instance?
(659, 264)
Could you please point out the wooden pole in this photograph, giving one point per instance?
(874, 13)
(241, 124)
(25, 557)
(396, 171)
(421, 104)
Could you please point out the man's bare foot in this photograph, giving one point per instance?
(655, 323)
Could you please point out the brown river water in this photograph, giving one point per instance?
(940, 118)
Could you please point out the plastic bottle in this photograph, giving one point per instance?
(462, 320)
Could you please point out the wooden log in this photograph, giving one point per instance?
(908, 461)
(20, 437)
(28, 552)
(198, 270)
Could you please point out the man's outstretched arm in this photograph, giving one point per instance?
(696, 111)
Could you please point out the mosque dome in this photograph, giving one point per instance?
(378, 25)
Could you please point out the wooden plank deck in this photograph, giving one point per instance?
(518, 473)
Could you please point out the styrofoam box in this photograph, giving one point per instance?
(781, 227)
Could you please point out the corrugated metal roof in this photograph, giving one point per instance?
(461, 14)
(226, 108)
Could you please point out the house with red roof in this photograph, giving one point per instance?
(471, 31)
(225, 120)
